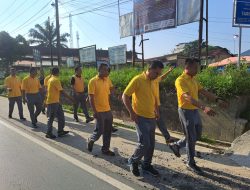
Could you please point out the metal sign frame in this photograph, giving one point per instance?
(95, 55)
(234, 17)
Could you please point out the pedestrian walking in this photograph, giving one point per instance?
(43, 92)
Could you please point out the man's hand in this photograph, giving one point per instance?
(157, 114)
(9, 89)
(134, 117)
(96, 115)
(209, 111)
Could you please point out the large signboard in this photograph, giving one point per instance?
(88, 54)
(126, 25)
(117, 55)
(152, 15)
(241, 13)
(188, 11)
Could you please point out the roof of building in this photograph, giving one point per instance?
(230, 60)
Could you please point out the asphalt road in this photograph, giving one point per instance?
(25, 165)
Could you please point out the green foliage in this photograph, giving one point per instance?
(232, 82)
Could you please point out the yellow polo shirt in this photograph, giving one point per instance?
(143, 92)
(31, 85)
(54, 90)
(190, 85)
(46, 80)
(100, 88)
(14, 83)
(79, 84)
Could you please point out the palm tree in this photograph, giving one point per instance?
(45, 36)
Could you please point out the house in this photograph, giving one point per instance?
(230, 60)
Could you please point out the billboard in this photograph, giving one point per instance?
(88, 54)
(188, 11)
(241, 12)
(117, 55)
(126, 25)
(153, 15)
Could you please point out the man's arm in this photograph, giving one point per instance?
(127, 102)
(166, 74)
(209, 111)
(92, 104)
(212, 97)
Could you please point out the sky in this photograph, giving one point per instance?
(101, 27)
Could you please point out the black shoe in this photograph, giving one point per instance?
(108, 153)
(114, 130)
(10, 116)
(76, 119)
(150, 169)
(34, 125)
(135, 169)
(194, 168)
(90, 145)
(62, 133)
(89, 119)
(35, 120)
(23, 118)
(50, 136)
(176, 150)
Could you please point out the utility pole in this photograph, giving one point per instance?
(50, 43)
(58, 34)
(133, 51)
(239, 53)
(142, 48)
(77, 38)
(70, 31)
(200, 30)
(206, 32)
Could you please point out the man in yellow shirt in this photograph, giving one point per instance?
(77, 83)
(188, 88)
(31, 89)
(144, 112)
(54, 109)
(13, 85)
(99, 97)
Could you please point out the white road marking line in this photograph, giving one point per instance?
(85, 167)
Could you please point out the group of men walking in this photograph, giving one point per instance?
(144, 108)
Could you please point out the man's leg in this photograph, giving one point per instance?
(98, 131)
(30, 104)
(61, 119)
(38, 104)
(76, 105)
(20, 107)
(11, 106)
(84, 106)
(108, 121)
(51, 112)
(162, 127)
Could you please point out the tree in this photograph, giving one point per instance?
(191, 49)
(46, 35)
(11, 49)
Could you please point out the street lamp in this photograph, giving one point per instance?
(235, 37)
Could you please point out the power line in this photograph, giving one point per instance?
(6, 10)
(32, 17)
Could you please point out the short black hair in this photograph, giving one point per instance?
(55, 70)
(102, 65)
(191, 61)
(156, 64)
(33, 69)
(77, 67)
